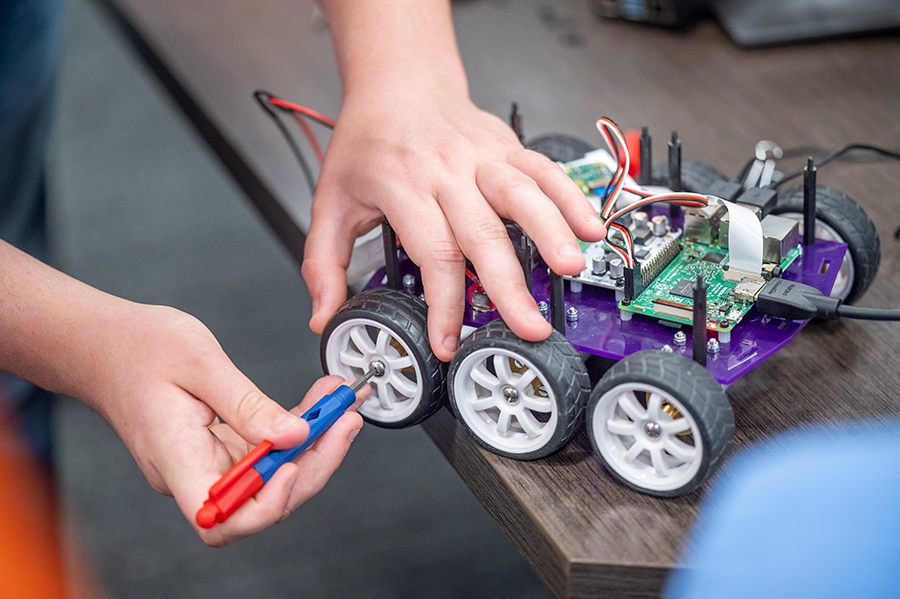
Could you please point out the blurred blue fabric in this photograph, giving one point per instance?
(812, 513)
(30, 45)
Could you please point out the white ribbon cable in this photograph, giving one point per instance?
(745, 239)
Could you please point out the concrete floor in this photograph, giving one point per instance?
(141, 209)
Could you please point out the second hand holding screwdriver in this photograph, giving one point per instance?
(248, 476)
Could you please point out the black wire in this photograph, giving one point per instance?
(262, 98)
(861, 158)
(627, 233)
(834, 156)
(743, 174)
(846, 311)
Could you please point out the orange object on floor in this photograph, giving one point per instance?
(32, 560)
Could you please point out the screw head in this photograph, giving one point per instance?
(680, 338)
(378, 365)
(510, 395)
(572, 313)
(667, 348)
(544, 307)
(652, 430)
(712, 346)
(409, 280)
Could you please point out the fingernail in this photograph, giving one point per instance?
(451, 343)
(290, 484)
(535, 316)
(353, 434)
(569, 250)
(594, 221)
(283, 423)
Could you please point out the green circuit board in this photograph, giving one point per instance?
(670, 296)
(591, 177)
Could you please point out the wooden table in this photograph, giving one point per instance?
(584, 535)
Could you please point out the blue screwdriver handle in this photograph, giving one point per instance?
(320, 418)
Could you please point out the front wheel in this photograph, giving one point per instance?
(519, 399)
(387, 329)
(660, 423)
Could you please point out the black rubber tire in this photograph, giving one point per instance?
(693, 387)
(559, 366)
(845, 216)
(696, 177)
(405, 317)
(560, 148)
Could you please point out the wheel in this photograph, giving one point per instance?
(660, 423)
(696, 177)
(839, 218)
(560, 148)
(388, 327)
(519, 399)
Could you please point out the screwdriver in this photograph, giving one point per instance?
(248, 476)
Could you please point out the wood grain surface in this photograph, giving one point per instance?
(584, 534)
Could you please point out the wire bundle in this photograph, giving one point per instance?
(300, 114)
(616, 142)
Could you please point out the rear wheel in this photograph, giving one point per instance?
(560, 148)
(696, 177)
(839, 218)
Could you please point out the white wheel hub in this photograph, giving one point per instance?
(647, 437)
(358, 344)
(505, 400)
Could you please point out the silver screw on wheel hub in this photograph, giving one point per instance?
(377, 366)
(652, 429)
(510, 395)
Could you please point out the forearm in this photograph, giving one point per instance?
(45, 324)
(390, 45)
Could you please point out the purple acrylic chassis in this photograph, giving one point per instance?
(599, 329)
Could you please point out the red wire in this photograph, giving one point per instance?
(310, 137)
(684, 199)
(302, 110)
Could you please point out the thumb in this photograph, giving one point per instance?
(256, 418)
(326, 256)
(253, 415)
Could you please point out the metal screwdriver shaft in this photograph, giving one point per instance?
(358, 383)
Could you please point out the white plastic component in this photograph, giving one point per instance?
(622, 427)
(620, 295)
(724, 337)
(624, 315)
(351, 349)
(517, 427)
(745, 239)
(575, 286)
(465, 332)
(367, 257)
